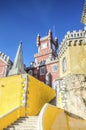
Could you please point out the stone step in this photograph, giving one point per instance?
(24, 123)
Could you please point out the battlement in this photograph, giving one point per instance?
(44, 62)
(72, 39)
(44, 38)
(74, 34)
(5, 58)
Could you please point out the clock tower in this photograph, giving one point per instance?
(47, 47)
(46, 64)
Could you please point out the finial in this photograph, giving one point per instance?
(50, 30)
(20, 42)
(38, 35)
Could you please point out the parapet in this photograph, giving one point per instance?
(5, 58)
(72, 39)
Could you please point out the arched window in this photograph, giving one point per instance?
(30, 72)
(64, 64)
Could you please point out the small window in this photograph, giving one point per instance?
(81, 34)
(42, 70)
(35, 74)
(64, 64)
(74, 35)
(71, 35)
(30, 72)
(77, 34)
(54, 67)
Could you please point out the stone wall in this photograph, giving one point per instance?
(73, 94)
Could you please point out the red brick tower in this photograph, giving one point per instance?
(46, 65)
(47, 47)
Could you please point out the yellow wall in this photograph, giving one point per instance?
(8, 119)
(56, 119)
(10, 93)
(11, 107)
(76, 60)
(38, 94)
(11, 96)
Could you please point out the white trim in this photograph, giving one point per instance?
(9, 112)
(40, 120)
(5, 71)
(3, 68)
(44, 38)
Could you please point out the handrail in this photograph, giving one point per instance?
(10, 112)
(11, 116)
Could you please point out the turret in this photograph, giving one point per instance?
(50, 35)
(56, 42)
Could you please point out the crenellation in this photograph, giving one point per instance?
(68, 32)
(66, 37)
(4, 57)
(8, 58)
(72, 39)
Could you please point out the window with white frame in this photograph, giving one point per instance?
(54, 68)
(30, 72)
(42, 70)
(35, 74)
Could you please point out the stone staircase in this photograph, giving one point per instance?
(25, 123)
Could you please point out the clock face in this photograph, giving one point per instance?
(44, 45)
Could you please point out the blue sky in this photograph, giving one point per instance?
(22, 20)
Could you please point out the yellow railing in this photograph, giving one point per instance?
(39, 94)
(9, 118)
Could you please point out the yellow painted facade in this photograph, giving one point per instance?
(56, 119)
(10, 117)
(76, 60)
(11, 107)
(39, 94)
(12, 95)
